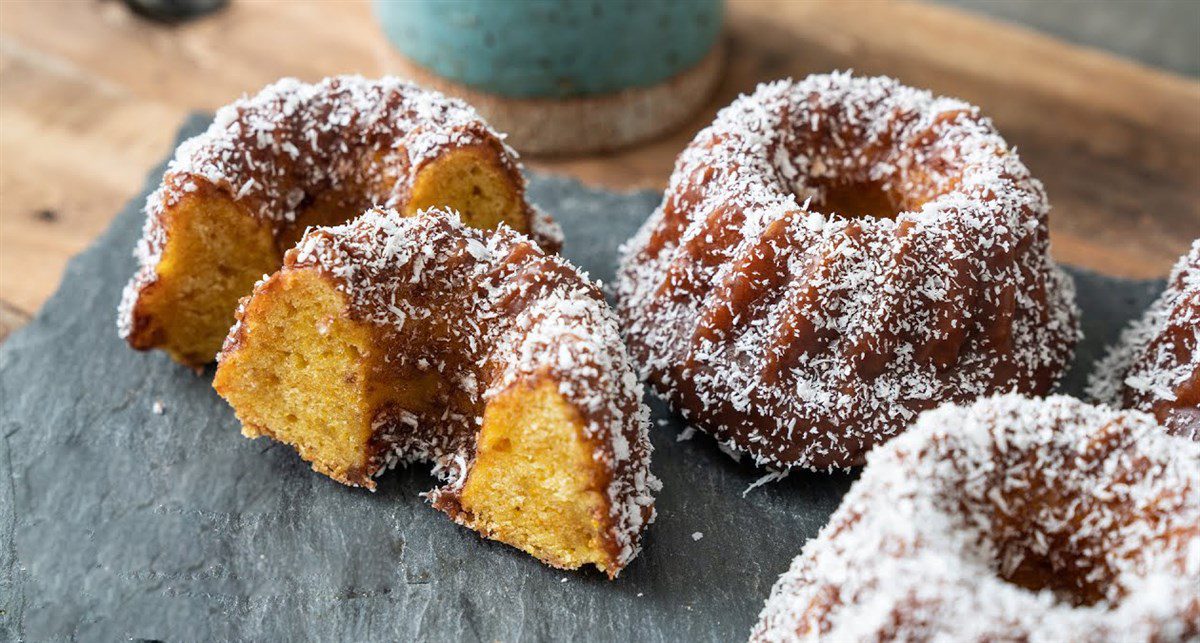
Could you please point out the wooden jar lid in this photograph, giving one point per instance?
(588, 124)
(564, 76)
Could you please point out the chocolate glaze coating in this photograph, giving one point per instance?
(478, 313)
(834, 256)
(346, 140)
(1009, 519)
(1155, 365)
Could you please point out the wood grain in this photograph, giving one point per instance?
(90, 97)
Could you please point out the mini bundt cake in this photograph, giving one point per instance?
(237, 196)
(1155, 365)
(393, 339)
(832, 257)
(1012, 519)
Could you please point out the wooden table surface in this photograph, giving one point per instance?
(91, 96)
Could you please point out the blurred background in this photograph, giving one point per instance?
(1100, 97)
(1162, 33)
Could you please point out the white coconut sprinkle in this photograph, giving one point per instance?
(1156, 361)
(293, 142)
(485, 312)
(923, 544)
(806, 337)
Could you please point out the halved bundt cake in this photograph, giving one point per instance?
(395, 339)
(832, 257)
(1155, 365)
(237, 196)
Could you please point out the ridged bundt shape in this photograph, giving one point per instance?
(835, 255)
(1155, 365)
(1009, 520)
(237, 196)
(394, 339)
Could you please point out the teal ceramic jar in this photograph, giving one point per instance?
(553, 48)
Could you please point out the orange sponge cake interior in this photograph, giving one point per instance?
(396, 339)
(296, 155)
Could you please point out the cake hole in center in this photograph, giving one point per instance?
(858, 199)
(1037, 573)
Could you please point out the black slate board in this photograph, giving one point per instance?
(117, 522)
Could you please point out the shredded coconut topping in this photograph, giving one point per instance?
(1155, 365)
(804, 337)
(1010, 519)
(484, 312)
(361, 140)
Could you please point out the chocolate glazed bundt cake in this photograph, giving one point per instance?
(1012, 519)
(237, 196)
(832, 257)
(394, 339)
(1155, 365)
